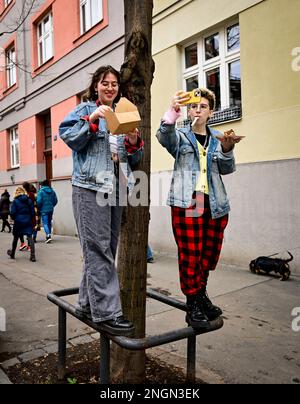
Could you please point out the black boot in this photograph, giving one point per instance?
(11, 254)
(32, 258)
(212, 312)
(195, 315)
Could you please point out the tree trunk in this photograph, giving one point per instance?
(136, 78)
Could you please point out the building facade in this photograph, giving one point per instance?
(248, 53)
(46, 63)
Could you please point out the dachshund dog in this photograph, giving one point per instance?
(266, 265)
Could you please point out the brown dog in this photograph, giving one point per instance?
(266, 265)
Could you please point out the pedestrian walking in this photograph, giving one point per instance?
(198, 200)
(46, 201)
(98, 157)
(4, 210)
(22, 212)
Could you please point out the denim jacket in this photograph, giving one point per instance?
(182, 145)
(93, 167)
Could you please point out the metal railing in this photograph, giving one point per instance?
(134, 344)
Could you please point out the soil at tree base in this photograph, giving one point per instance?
(83, 367)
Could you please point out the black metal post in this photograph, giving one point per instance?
(62, 343)
(191, 359)
(104, 359)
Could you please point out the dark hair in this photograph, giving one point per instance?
(99, 74)
(45, 183)
(26, 186)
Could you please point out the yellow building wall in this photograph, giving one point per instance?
(270, 30)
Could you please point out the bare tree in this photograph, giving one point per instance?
(28, 7)
(136, 77)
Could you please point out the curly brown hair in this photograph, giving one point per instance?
(100, 74)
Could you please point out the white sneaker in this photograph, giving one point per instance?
(48, 239)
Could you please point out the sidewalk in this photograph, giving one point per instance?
(256, 344)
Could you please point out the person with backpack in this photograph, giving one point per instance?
(46, 201)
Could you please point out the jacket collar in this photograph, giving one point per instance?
(187, 131)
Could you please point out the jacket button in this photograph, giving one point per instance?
(204, 153)
(204, 171)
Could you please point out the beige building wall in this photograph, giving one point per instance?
(265, 189)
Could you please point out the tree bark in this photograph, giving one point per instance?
(136, 79)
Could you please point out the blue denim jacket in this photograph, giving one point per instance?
(182, 145)
(93, 167)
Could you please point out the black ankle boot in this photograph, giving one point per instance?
(10, 253)
(212, 312)
(195, 316)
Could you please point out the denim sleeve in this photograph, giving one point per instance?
(134, 159)
(74, 131)
(168, 138)
(226, 162)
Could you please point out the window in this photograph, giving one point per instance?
(91, 13)
(14, 148)
(45, 39)
(11, 70)
(213, 61)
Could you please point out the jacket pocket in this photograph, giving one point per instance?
(185, 157)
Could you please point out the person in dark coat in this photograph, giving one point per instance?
(36, 221)
(22, 212)
(4, 210)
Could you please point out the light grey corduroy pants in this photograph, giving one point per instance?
(98, 230)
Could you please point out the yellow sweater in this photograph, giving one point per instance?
(202, 183)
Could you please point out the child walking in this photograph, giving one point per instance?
(22, 212)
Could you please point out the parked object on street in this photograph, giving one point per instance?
(265, 265)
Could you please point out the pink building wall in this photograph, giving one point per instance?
(58, 113)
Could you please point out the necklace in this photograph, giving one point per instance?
(206, 139)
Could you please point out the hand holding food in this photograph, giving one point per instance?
(99, 112)
(229, 139)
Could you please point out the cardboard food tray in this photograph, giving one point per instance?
(124, 119)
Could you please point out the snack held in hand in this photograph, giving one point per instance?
(124, 119)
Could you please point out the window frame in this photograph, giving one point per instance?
(41, 39)
(10, 66)
(222, 61)
(89, 23)
(14, 146)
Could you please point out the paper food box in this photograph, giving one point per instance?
(124, 119)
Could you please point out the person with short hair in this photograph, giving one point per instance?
(46, 201)
(198, 200)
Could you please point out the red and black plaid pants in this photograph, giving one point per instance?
(199, 239)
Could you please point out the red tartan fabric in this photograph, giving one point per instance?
(199, 240)
(132, 149)
(93, 125)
